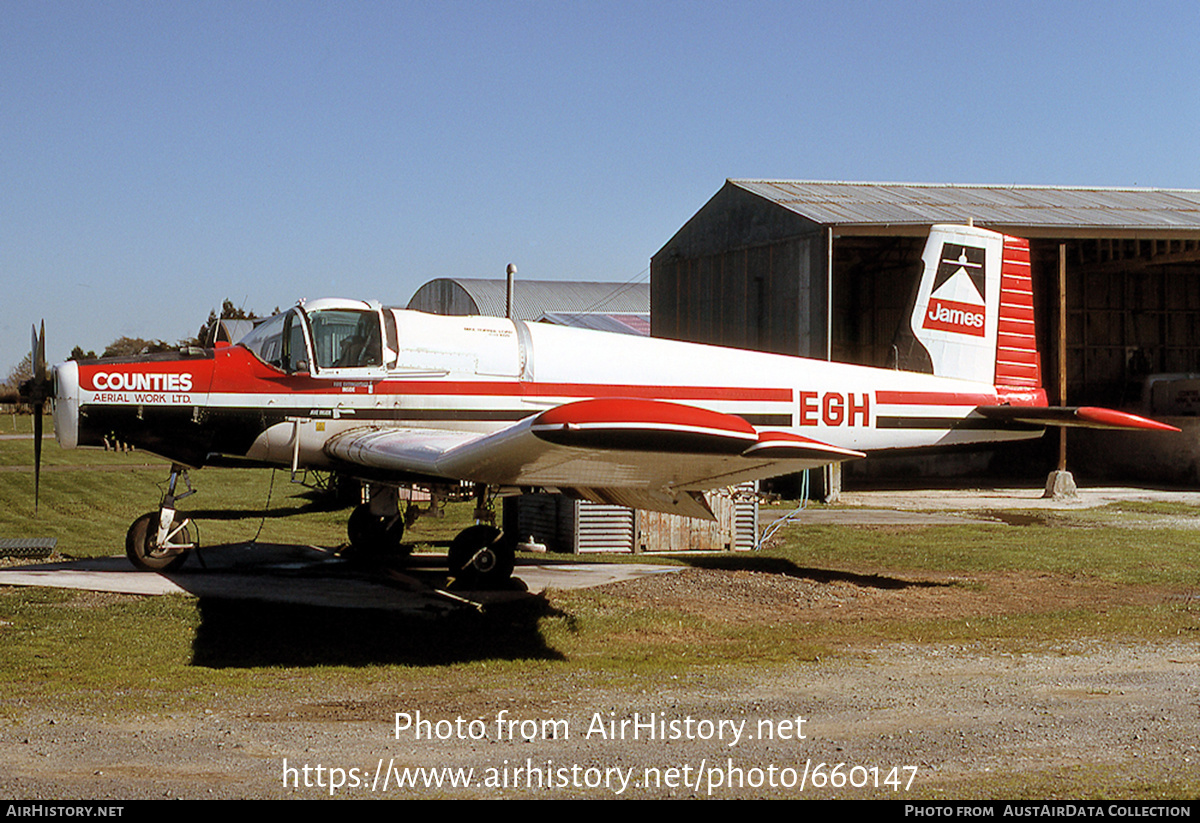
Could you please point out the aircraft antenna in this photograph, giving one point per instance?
(511, 271)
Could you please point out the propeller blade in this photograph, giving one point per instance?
(37, 454)
(39, 357)
(36, 396)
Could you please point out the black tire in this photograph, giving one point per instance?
(371, 535)
(145, 554)
(479, 555)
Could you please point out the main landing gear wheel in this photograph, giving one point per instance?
(480, 556)
(373, 535)
(144, 550)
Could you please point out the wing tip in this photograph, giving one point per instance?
(784, 445)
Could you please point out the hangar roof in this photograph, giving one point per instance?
(619, 322)
(531, 298)
(1048, 211)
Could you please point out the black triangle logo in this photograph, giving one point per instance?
(956, 256)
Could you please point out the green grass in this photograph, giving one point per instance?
(90, 510)
(62, 646)
(22, 423)
(1112, 553)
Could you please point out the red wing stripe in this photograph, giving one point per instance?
(588, 390)
(633, 413)
(1084, 416)
(644, 426)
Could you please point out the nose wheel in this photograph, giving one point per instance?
(158, 541)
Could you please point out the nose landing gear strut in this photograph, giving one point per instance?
(160, 541)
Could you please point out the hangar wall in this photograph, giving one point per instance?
(742, 273)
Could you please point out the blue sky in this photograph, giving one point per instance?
(157, 158)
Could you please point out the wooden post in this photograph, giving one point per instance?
(1060, 484)
(1062, 350)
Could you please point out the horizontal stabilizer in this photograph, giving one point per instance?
(1086, 417)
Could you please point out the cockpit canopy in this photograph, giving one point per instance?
(341, 334)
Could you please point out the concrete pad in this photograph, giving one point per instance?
(312, 576)
(966, 500)
(542, 576)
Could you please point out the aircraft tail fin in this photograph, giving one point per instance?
(973, 315)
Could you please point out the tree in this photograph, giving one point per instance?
(78, 353)
(133, 346)
(10, 389)
(207, 333)
(20, 372)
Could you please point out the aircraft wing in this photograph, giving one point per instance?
(1087, 417)
(645, 454)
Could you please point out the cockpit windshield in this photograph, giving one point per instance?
(346, 338)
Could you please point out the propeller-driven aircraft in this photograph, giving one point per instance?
(396, 397)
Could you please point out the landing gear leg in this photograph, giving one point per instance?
(376, 528)
(483, 512)
(160, 541)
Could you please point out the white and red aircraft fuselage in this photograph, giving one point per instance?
(394, 396)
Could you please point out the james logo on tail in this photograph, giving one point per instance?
(957, 301)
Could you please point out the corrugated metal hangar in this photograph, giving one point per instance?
(828, 270)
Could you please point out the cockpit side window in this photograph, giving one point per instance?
(346, 338)
(265, 341)
(279, 342)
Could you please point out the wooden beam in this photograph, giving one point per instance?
(1062, 350)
